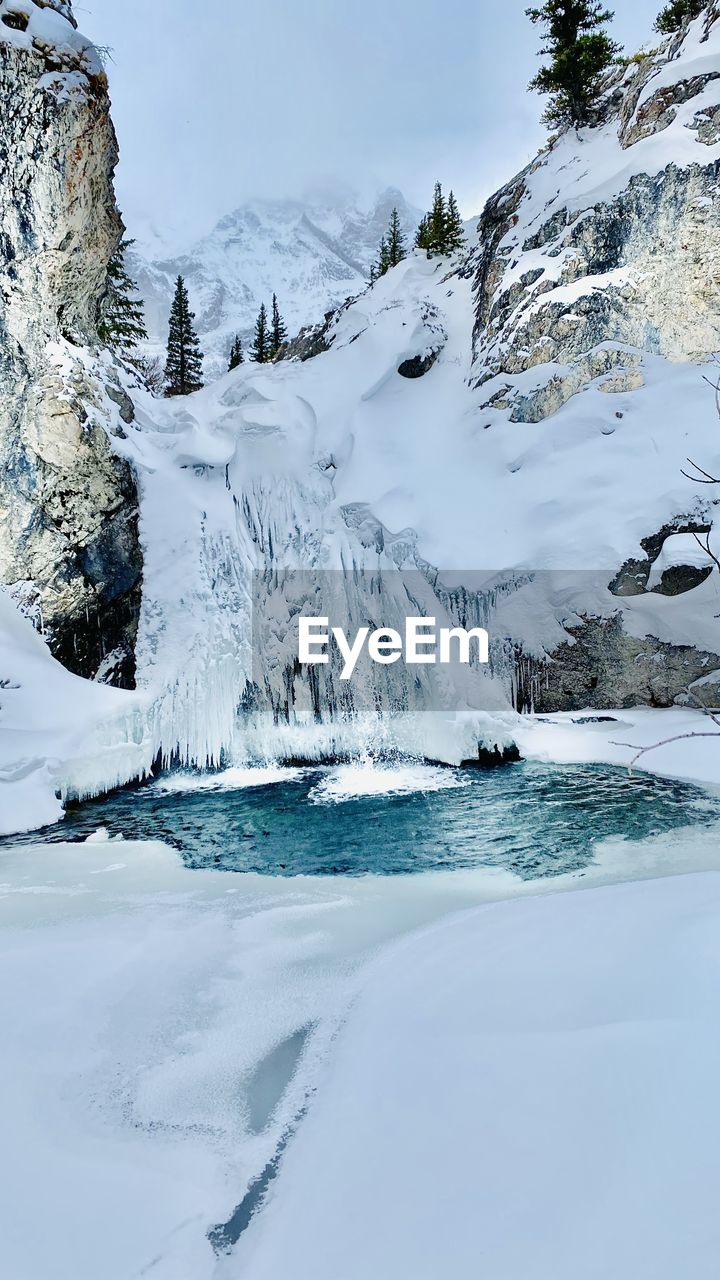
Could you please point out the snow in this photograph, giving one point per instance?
(47, 28)
(313, 253)
(144, 1083)
(52, 724)
(528, 1089)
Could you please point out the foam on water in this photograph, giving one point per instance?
(366, 778)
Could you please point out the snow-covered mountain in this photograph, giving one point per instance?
(313, 254)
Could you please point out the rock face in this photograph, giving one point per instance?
(603, 252)
(68, 512)
(608, 244)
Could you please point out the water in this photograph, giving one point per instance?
(532, 819)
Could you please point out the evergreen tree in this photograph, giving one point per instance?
(122, 315)
(422, 235)
(437, 223)
(236, 353)
(579, 51)
(260, 350)
(671, 18)
(395, 240)
(278, 332)
(183, 367)
(383, 263)
(454, 233)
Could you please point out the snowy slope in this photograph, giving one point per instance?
(524, 1091)
(313, 254)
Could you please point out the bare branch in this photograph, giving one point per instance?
(705, 546)
(678, 737)
(701, 472)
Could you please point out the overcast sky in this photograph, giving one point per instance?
(217, 101)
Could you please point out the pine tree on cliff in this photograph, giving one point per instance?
(395, 240)
(278, 331)
(183, 367)
(236, 353)
(454, 233)
(122, 316)
(580, 51)
(260, 350)
(671, 18)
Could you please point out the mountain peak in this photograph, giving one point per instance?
(313, 253)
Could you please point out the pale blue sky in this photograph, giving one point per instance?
(216, 101)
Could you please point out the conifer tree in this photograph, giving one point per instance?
(183, 367)
(579, 51)
(454, 233)
(395, 240)
(671, 18)
(437, 223)
(422, 235)
(236, 353)
(122, 318)
(260, 350)
(383, 259)
(278, 331)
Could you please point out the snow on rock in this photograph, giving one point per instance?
(67, 504)
(607, 245)
(312, 253)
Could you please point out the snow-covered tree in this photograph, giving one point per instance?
(580, 51)
(122, 315)
(454, 233)
(183, 367)
(236, 356)
(260, 350)
(395, 240)
(671, 18)
(278, 331)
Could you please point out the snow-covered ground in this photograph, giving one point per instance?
(527, 1090)
(529, 1086)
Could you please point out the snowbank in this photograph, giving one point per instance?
(165, 1027)
(525, 1090)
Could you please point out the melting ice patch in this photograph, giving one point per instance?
(365, 778)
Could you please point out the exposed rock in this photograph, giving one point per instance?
(311, 341)
(416, 366)
(68, 507)
(632, 577)
(561, 272)
(602, 667)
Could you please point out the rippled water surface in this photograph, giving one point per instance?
(529, 818)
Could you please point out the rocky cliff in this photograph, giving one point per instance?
(68, 511)
(603, 254)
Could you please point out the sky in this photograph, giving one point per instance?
(218, 101)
